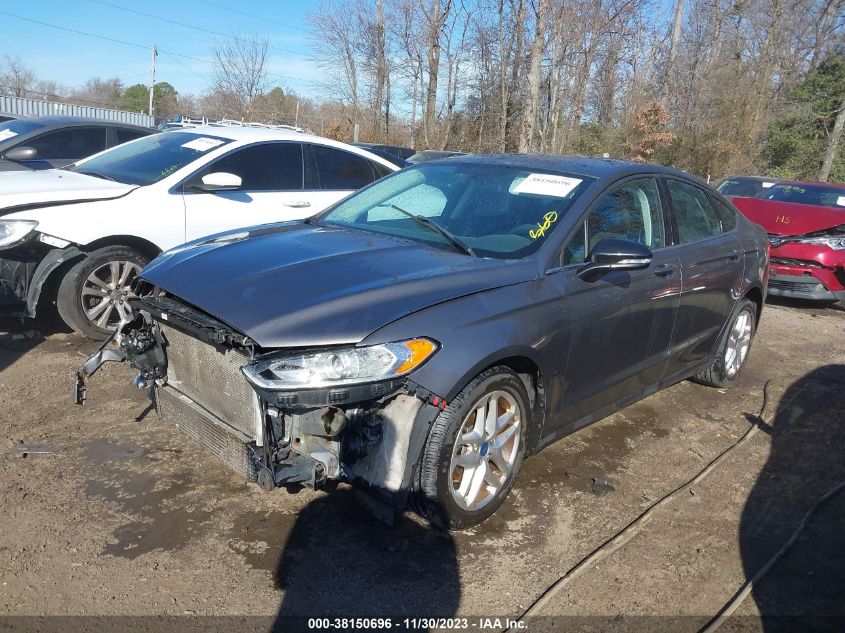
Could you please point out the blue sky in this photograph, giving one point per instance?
(71, 59)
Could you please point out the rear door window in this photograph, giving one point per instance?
(727, 216)
(73, 143)
(266, 167)
(694, 214)
(341, 170)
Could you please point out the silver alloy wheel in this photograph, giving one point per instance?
(106, 291)
(739, 340)
(485, 450)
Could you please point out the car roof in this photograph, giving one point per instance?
(832, 185)
(583, 165)
(248, 133)
(755, 178)
(252, 134)
(450, 152)
(368, 145)
(60, 120)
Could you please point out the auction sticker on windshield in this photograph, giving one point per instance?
(5, 134)
(202, 144)
(840, 201)
(547, 185)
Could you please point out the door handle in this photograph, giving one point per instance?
(664, 270)
(733, 255)
(297, 204)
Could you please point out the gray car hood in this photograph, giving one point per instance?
(297, 285)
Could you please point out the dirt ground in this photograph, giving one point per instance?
(112, 513)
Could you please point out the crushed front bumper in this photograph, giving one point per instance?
(370, 435)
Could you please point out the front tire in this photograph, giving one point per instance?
(733, 348)
(474, 451)
(93, 296)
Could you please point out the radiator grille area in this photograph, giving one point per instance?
(211, 376)
(178, 410)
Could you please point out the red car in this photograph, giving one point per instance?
(806, 226)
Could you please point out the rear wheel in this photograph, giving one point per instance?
(733, 348)
(93, 296)
(474, 451)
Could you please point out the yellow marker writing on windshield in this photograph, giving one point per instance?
(548, 219)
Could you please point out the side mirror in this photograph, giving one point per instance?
(218, 181)
(615, 254)
(23, 152)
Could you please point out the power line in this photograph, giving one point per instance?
(302, 79)
(100, 37)
(185, 66)
(187, 26)
(252, 15)
(136, 45)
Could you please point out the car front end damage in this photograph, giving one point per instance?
(809, 266)
(222, 391)
(27, 258)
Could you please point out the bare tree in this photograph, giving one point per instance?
(102, 92)
(404, 24)
(677, 24)
(16, 79)
(337, 50)
(435, 16)
(380, 70)
(577, 75)
(833, 142)
(240, 72)
(529, 121)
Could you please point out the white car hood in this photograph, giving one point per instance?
(54, 186)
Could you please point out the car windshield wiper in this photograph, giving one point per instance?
(429, 224)
(97, 174)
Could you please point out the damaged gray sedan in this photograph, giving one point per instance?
(424, 335)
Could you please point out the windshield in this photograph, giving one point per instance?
(10, 129)
(744, 187)
(817, 194)
(498, 211)
(150, 159)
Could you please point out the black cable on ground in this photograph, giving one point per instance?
(743, 593)
(623, 535)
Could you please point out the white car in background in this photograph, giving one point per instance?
(79, 236)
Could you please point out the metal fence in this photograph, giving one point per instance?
(21, 106)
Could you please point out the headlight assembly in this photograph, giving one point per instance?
(836, 243)
(340, 367)
(14, 231)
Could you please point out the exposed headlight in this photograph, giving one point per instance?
(14, 231)
(338, 367)
(836, 243)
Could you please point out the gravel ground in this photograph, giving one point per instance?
(112, 513)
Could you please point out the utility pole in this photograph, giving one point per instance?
(153, 77)
(296, 116)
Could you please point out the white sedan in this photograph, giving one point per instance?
(80, 236)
